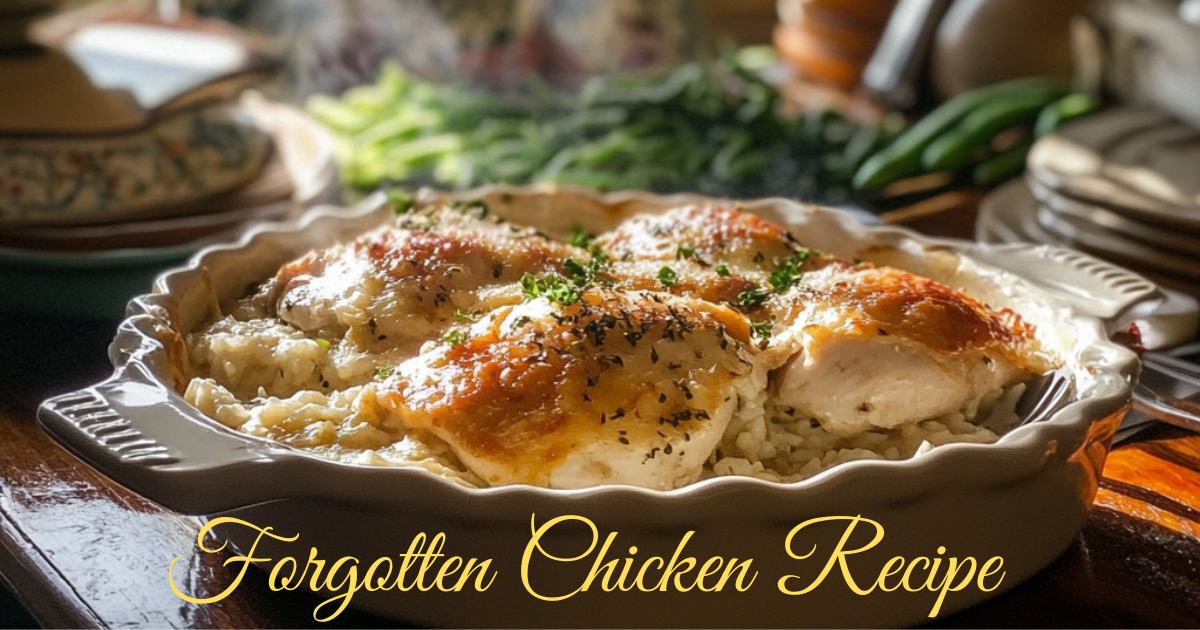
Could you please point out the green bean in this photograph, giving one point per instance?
(422, 150)
(954, 149)
(714, 127)
(902, 158)
(606, 149)
(342, 117)
(1064, 110)
(858, 148)
(1004, 165)
(403, 127)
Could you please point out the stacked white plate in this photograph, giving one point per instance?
(1123, 185)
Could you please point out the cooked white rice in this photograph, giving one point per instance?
(775, 444)
(266, 379)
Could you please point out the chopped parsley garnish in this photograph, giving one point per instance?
(782, 278)
(554, 287)
(762, 330)
(687, 251)
(590, 274)
(667, 276)
(324, 343)
(382, 372)
(465, 206)
(786, 274)
(600, 258)
(455, 337)
(460, 316)
(580, 237)
(564, 294)
(402, 202)
(531, 287)
(576, 272)
(723, 270)
(752, 297)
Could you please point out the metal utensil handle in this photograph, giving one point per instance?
(137, 432)
(1165, 408)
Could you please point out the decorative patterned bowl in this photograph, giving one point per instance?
(92, 271)
(187, 156)
(114, 122)
(1022, 499)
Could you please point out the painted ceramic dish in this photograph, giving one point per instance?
(189, 156)
(118, 122)
(92, 271)
(1022, 499)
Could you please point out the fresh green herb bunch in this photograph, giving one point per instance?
(713, 127)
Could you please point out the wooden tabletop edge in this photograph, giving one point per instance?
(37, 583)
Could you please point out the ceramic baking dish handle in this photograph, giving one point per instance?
(1100, 289)
(135, 430)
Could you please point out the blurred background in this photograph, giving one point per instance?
(133, 133)
(1069, 122)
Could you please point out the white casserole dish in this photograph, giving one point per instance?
(1022, 499)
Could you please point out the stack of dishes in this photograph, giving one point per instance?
(127, 147)
(1123, 185)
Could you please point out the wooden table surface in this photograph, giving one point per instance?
(79, 551)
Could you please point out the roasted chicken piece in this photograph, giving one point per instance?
(401, 286)
(877, 348)
(631, 388)
(714, 253)
(861, 348)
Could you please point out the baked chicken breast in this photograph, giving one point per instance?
(719, 254)
(703, 340)
(629, 388)
(876, 348)
(403, 285)
(714, 253)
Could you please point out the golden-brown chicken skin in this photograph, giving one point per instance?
(877, 348)
(403, 285)
(716, 253)
(619, 388)
(621, 360)
(714, 234)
